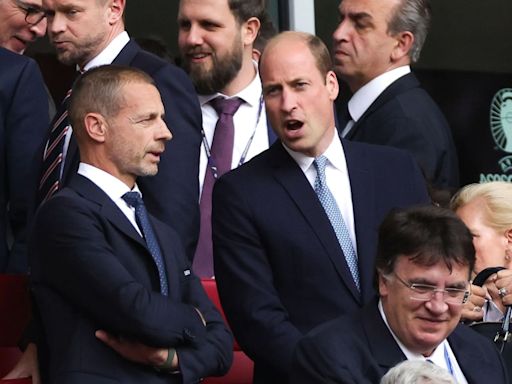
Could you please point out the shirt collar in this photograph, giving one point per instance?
(334, 153)
(437, 356)
(108, 183)
(366, 95)
(250, 94)
(110, 52)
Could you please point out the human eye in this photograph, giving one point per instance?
(270, 91)
(455, 292)
(184, 25)
(422, 288)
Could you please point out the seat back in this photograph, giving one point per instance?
(14, 318)
(241, 372)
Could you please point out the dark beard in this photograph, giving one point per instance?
(221, 74)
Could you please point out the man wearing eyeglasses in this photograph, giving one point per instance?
(24, 117)
(424, 259)
(21, 23)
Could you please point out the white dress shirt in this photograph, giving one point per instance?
(249, 119)
(113, 187)
(338, 181)
(437, 357)
(367, 94)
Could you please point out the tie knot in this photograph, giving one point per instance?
(320, 162)
(133, 199)
(226, 106)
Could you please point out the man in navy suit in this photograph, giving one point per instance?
(424, 261)
(219, 61)
(24, 120)
(92, 33)
(99, 264)
(374, 45)
(279, 265)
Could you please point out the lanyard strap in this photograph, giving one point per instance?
(207, 147)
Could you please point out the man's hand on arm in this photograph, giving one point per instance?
(138, 352)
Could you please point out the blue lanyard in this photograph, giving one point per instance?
(448, 361)
(207, 147)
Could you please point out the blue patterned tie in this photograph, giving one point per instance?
(333, 212)
(134, 199)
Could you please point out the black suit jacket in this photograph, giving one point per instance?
(92, 270)
(359, 349)
(405, 116)
(24, 122)
(278, 265)
(173, 194)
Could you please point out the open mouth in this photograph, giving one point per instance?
(293, 125)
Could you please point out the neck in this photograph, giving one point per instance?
(243, 78)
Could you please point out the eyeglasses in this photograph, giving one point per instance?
(425, 292)
(33, 14)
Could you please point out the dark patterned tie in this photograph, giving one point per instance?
(134, 199)
(333, 212)
(219, 162)
(53, 156)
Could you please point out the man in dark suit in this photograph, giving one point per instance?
(23, 123)
(279, 263)
(424, 261)
(98, 37)
(99, 261)
(374, 45)
(219, 61)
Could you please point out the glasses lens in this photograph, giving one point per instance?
(450, 295)
(34, 16)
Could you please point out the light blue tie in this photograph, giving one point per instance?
(134, 199)
(333, 212)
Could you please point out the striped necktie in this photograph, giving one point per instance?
(53, 156)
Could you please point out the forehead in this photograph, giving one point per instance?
(288, 57)
(203, 9)
(72, 3)
(436, 273)
(376, 9)
(138, 94)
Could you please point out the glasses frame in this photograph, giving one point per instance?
(33, 15)
(445, 291)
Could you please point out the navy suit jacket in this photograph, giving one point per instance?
(278, 264)
(173, 194)
(92, 270)
(24, 122)
(359, 349)
(405, 116)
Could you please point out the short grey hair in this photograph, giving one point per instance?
(417, 372)
(413, 16)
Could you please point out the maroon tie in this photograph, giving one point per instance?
(219, 162)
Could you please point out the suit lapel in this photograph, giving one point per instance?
(470, 362)
(90, 191)
(363, 202)
(290, 176)
(382, 345)
(399, 86)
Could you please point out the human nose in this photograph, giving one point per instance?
(56, 24)
(164, 133)
(288, 100)
(437, 303)
(341, 31)
(39, 29)
(193, 36)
